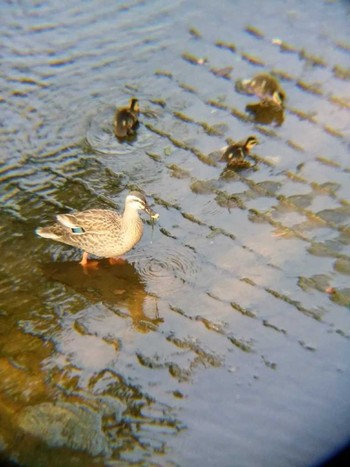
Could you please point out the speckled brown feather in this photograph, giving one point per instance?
(101, 232)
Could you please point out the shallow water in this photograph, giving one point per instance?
(224, 336)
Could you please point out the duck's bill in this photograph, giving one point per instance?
(151, 213)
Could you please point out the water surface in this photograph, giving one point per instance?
(224, 336)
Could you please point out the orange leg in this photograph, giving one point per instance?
(86, 263)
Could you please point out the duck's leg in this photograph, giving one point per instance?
(84, 260)
(86, 263)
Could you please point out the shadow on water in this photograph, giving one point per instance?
(117, 285)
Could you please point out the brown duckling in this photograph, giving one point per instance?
(264, 86)
(126, 119)
(236, 152)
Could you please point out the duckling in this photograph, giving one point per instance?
(264, 86)
(236, 152)
(101, 232)
(126, 119)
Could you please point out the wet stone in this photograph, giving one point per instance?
(64, 424)
(178, 172)
(203, 187)
(342, 265)
(319, 282)
(341, 297)
(341, 73)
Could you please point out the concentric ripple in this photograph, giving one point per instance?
(166, 271)
(101, 137)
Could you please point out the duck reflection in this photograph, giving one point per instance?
(266, 112)
(270, 108)
(118, 285)
(237, 166)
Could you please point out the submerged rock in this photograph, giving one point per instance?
(63, 424)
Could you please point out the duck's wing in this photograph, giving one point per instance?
(92, 221)
(226, 150)
(234, 151)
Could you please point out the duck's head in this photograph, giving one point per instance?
(278, 97)
(134, 105)
(137, 201)
(250, 143)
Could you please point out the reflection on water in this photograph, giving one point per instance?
(99, 411)
(117, 285)
(266, 112)
(219, 331)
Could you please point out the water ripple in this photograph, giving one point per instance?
(101, 137)
(167, 271)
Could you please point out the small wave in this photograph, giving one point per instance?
(101, 138)
(166, 271)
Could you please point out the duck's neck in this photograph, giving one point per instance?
(130, 215)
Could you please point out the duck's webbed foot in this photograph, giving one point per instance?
(88, 264)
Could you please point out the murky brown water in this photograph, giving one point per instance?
(224, 338)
